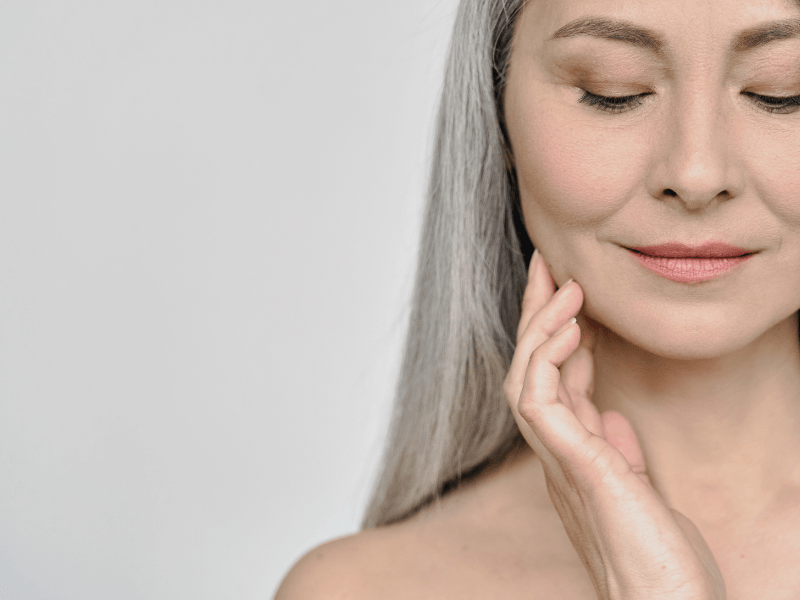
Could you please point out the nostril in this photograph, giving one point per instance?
(669, 192)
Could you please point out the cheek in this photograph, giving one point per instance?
(774, 165)
(573, 173)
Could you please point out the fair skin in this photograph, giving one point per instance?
(664, 426)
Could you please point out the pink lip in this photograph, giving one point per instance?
(707, 250)
(690, 264)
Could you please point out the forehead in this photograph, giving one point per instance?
(663, 26)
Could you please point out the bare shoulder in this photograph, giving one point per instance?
(497, 536)
(351, 567)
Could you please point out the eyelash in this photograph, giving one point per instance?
(619, 104)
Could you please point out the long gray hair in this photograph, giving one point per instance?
(450, 420)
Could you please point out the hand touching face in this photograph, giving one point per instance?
(632, 544)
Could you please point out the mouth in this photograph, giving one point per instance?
(707, 250)
(691, 264)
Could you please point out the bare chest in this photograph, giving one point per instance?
(764, 563)
(546, 566)
(509, 542)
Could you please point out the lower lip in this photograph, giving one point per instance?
(689, 269)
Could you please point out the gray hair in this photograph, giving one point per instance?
(450, 420)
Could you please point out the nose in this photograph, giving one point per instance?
(694, 164)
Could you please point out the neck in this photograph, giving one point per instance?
(719, 436)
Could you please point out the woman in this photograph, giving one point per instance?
(650, 152)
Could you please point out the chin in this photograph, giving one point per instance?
(689, 345)
(684, 335)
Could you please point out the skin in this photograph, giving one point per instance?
(666, 421)
(706, 373)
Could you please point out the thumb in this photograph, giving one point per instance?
(620, 434)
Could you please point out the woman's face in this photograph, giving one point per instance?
(698, 158)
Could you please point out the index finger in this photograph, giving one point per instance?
(540, 288)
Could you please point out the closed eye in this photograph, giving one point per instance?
(612, 104)
(619, 104)
(773, 104)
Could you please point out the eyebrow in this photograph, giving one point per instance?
(750, 39)
(620, 31)
(623, 31)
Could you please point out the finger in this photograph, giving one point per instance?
(590, 330)
(561, 307)
(538, 291)
(564, 397)
(620, 434)
(542, 376)
(549, 426)
(577, 372)
(577, 376)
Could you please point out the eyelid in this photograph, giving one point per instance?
(612, 104)
(775, 104)
(621, 104)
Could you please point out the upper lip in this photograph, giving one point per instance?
(705, 250)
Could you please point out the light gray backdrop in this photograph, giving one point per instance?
(209, 212)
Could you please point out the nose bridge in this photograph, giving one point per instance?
(696, 161)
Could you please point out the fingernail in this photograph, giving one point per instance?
(566, 283)
(565, 326)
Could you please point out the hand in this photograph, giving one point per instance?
(631, 543)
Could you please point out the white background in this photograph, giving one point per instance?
(209, 214)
